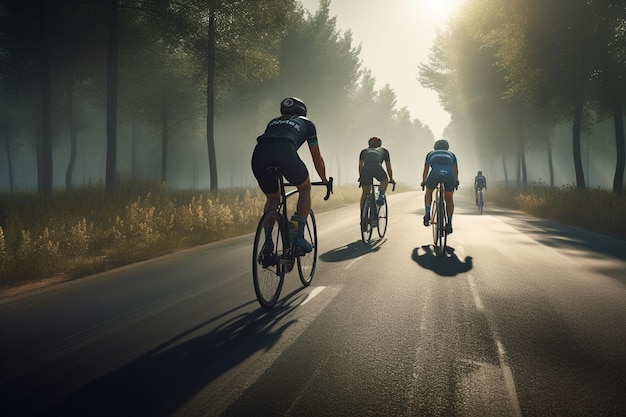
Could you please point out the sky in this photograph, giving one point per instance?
(395, 37)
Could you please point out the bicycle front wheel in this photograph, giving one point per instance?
(382, 219)
(268, 273)
(307, 262)
(481, 202)
(366, 224)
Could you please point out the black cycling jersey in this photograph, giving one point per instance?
(296, 129)
(480, 182)
(278, 146)
(374, 155)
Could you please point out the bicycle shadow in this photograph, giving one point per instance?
(170, 375)
(352, 250)
(448, 265)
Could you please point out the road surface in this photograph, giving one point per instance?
(523, 317)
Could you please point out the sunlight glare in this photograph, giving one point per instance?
(443, 8)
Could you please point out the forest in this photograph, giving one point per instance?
(178, 91)
(537, 88)
(92, 91)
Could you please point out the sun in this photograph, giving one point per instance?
(441, 7)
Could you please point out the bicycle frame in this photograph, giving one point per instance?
(372, 215)
(274, 253)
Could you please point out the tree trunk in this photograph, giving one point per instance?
(45, 162)
(164, 146)
(620, 147)
(73, 135)
(504, 169)
(578, 164)
(7, 148)
(133, 148)
(550, 161)
(111, 104)
(210, 101)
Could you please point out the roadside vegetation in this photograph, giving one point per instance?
(594, 209)
(88, 230)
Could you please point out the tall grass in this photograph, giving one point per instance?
(594, 209)
(88, 230)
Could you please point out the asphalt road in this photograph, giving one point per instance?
(522, 318)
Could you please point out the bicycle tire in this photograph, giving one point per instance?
(481, 202)
(366, 223)
(439, 223)
(443, 242)
(382, 219)
(268, 274)
(308, 261)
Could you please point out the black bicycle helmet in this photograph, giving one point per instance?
(442, 144)
(292, 106)
(480, 173)
(374, 142)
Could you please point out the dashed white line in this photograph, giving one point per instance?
(507, 374)
(313, 293)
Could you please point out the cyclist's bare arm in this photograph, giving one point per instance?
(389, 170)
(425, 173)
(318, 162)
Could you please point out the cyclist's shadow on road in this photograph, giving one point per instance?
(448, 266)
(352, 250)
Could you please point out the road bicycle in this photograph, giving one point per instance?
(481, 202)
(439, 219)
(373, 215)
(274, 253)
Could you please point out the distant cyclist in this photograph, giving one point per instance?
(278, 146)
(479, 182)
(440, 166)
(371, 166)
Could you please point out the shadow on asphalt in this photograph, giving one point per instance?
(164, 379)
(352, 250)
(448, 265)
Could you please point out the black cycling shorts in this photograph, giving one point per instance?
(369, 171)
(279, 153)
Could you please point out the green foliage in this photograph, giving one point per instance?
(88, 230)
(594, 209)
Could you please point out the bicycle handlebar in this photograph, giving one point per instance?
(329, 187)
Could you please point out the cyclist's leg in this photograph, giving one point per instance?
(367, 180)
(295, 171)
(382, 177)
(430, 184)
(365, 190)
(428, 199)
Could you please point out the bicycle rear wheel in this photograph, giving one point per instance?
(308, 261)
(366, 224)
(268, 273)
(481, 202)
(443, 234)
(439, 223)
(382, 219)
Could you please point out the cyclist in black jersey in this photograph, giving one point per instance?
(370, 167)
(278, 146)
(480, 181)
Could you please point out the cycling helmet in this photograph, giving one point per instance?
(480, 173)
(374, 142)
(292, 106)
(442, 144)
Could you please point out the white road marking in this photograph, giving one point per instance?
(507, 374)
(313, 293)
